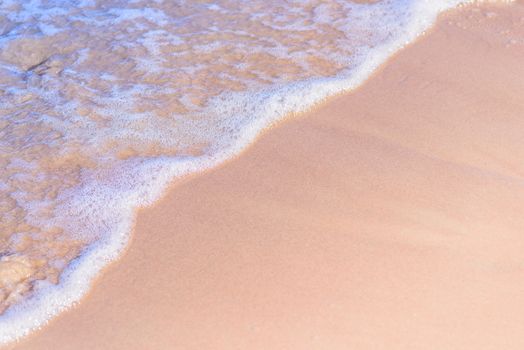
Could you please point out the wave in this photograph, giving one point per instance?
(105, 103)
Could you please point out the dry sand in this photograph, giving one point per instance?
(390, 218)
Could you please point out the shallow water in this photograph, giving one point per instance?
(104, 103)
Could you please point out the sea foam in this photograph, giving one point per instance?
(105, 103)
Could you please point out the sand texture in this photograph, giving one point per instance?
(389, 218)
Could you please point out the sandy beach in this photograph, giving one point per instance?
(387, 218)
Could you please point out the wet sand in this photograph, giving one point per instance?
(389, 218)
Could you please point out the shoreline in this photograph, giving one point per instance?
(401, 138)
(269, 106)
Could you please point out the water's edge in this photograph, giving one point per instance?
(76, 280)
